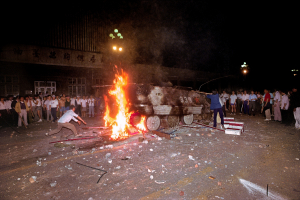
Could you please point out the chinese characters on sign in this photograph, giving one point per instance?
(18, 51)
(52, 54)
(36, 53)
(67, 56)
(93, 59)
(80, 58)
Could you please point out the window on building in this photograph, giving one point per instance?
(9, 85)
(77, 86)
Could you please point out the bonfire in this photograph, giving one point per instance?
(121, 122)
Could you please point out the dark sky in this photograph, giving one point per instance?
(193, 34)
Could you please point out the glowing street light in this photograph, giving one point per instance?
(244, 68)
(120, 49)
(114, 48)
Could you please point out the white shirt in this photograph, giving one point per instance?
(28, 103)
(38, 102)
(54, 103)
(239, 96)
(47, 103)
(2, 106)
(245, 97)
(233, 98)
(226, 96)
(83, 102)
(68, 116)
(32, 103)
(285, 99)
(73, 101)
(277, 96)
(78, 101)
(91, 102)
(8, 104)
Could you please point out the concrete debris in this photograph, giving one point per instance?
(297, 158)
(53, 184)
(118, 167)
(49, 153)
(32, 179)
(34, 150)
(107, 155)
(68, 167)
(109, 161)
(191, 157)
(39, 163)
(145, 141)
(110, 146)
(159, 182)
(151, 149)
(173, 155)
(151, 177)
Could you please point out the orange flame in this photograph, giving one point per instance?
(120, 123)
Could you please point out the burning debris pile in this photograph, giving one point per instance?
(120, 123)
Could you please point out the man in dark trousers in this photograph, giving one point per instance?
(294, 104)
(216, 107)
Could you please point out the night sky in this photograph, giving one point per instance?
(200, 35)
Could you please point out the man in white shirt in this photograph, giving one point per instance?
(38, 103)
(91, 102)
(252, 103)
(284, 107)
(47, 105)
(9, 109)
(33, 107)
(225, 98)
(277, 113)
(245, 99)
(233, 99)
(64, 121)
(54, 108)
(83, 106)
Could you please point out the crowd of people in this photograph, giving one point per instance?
(283, 106)
(19, 110)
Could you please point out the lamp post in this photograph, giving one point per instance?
(245, 68)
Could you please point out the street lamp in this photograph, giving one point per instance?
(244, 68)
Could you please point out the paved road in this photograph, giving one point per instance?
(197, 164)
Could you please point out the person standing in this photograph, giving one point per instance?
(54, 108)
(284, 107)
(83, 106)
(216, 107)
(91, 102)
(47, 105)
(252, 102)
(239, 102)
(64, 121)
(21, 108)
(78, 106)
(267, 105)
(233, 99)
(30, 114)
(62, 105)
(67, 103)
(245, 99)
(3, 111)
(44, 109)
(223, 104)
(258, 102)
(277, 113)
(271, 103)
(225, 97)
(38, 107)
(33, 108)
(9, 109)
(15, 114)
(295, 106)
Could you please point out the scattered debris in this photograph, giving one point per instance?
(159, 182)
(107, 155)
(181, 193)
(68, 167)
(34, 150)
(53, 184)
(211, 177)
(32, 179)
(151, 177)
(191, 157)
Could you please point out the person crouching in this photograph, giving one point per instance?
(64, 121)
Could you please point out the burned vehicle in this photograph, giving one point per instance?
(168, 106)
